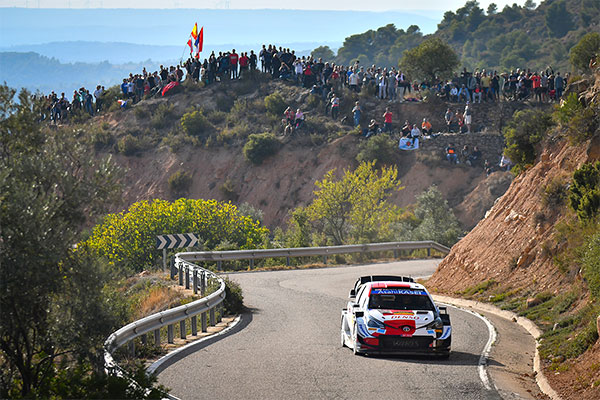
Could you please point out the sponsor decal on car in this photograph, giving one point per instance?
(399, 291)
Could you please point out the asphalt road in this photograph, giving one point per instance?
(288, 347)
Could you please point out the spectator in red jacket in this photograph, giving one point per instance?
(233, 64)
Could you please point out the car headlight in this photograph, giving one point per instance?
(373, 323)
(435, 324)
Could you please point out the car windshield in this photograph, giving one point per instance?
(400, 299)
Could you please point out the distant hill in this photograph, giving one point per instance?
(36, 72)
(120, 53)
(171, 27)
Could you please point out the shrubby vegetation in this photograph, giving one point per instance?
(57, 305)
(356, 208)
(128, 239)
(180, 182)
(584, 192)
(432, 59)
(260, 146)
(382, 148)
(587, 48)
(523, 134)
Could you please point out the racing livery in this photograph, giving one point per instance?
(394, 315)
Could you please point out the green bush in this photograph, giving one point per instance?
(522, 134)
(234, 299)
(586, 49)
(275, 104)
(180, 182)
(260, 146)
(129, 145)
(163, 116)
(555, 193)
(128, 239)
(584, 193)
(381, 148)
(224, 103)
(194, 123)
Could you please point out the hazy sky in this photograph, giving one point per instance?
(365, 5)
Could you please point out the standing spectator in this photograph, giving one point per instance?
(449, 118)
(233, 64)
(356, 111)
(335, 106)
(98, 96)
(387, 120)
(559, 85)
(353, 81)
(253, 60)
(467, 117)
(382, 83)
(536, 84)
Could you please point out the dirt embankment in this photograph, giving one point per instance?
(513, 246)
(286, 180)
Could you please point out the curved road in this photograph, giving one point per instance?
(289, 347)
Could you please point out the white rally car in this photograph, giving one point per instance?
(394, 315)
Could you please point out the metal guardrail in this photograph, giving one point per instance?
(196, 277)
(153, 323)
(252, 255)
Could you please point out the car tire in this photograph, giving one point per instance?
(445, 355)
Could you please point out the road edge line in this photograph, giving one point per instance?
(523, 322)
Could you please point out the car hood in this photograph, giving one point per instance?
(398, 318)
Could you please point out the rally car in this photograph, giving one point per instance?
(394, 315)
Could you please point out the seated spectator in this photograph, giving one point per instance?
(426, 127)
(299, 119)
(464, 154)
(406, 129)
(451, 154)
(454, 94)
(505, 163)
(477, 93)
(487, 167)
(290, 116)
(463, 93)
(415, 133)
(373, 129)
(474, 157)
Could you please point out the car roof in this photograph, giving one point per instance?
(394, 284)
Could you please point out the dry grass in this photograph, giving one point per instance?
(158, 298)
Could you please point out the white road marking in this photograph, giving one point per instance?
(483, 358)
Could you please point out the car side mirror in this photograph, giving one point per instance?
(359, 314)
(352, 294)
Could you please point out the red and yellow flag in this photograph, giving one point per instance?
(195, 31)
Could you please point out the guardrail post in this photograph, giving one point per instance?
(220, 313)
(170, 334)
(144, 338)
(131, 348)
(395, 253)
(203, 322)
(187, 277)
(211, 315)
(182, 330)
(180, 274)
(194, 323)
(219, 265)
(324, 259)
(202, 283)
(251, 263)
(157, 337)
(429, 252)
(195, 280)
(173, 268)
(287, 261)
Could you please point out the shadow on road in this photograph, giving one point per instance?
(456, 358)
(193, 347)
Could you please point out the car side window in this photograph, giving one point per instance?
(362, 301)
(359, 295)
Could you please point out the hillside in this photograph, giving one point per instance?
(531, 254)
(150, 142)
(492, 39)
